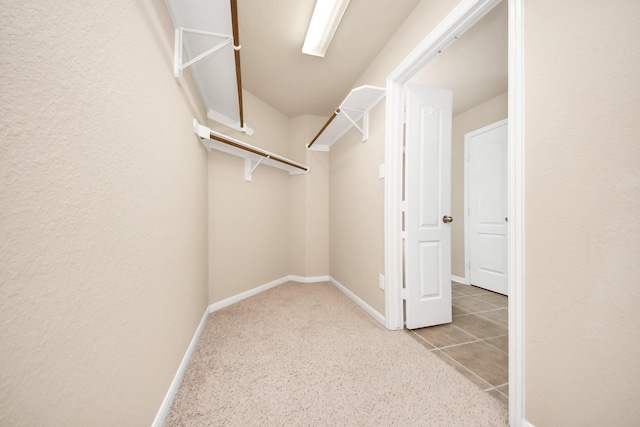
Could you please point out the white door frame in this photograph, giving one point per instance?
(467, 223)
(461, 18)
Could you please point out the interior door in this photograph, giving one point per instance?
(487, 202)
(428, 206)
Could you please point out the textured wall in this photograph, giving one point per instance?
(249, 222)
(582, 197)
(102, 213)
(356, 216)
(356, 195)
(309, 201)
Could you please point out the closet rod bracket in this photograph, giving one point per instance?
(253, 156)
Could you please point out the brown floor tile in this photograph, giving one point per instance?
(501, 343)
(484, 360)
(471, 304)
(464, 371)
(501, 397)
(419, 339)
(500, 316)
(456, 310)
(495, 299)
(479, 326)
(444, 335)
(468, 290)
(477, 313)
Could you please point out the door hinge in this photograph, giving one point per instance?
(403, 293)
(404, 117)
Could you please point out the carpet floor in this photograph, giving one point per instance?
(306, 355)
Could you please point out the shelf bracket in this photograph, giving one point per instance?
(250, 166)
(178, 65)
(253, 156)
(364, 130)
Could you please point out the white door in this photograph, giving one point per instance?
(428, 206)
(486, 151)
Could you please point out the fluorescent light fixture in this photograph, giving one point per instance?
(324, 22)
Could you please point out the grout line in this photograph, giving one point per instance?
(435, 347)
(458, 345)
(423, 339)
(469, 333)
(467, 369)
(499, 349)
(492, 321)
(504, 394)
(479, 313)
(487, 302)
(475, 340)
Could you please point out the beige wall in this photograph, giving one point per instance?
(103, 215)
(103, 204)
(309, 202)
(356, 194)
(488, 112)
(582, 187)
(277, 224)
(249, 221)
(356, 220)
(582, 196)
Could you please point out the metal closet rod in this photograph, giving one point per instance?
(333, 116)
(257, 151)
(236, 53)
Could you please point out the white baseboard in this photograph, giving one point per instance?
(177, 379)
(313, 279)
(244, 295)
(526, 423)
(366, 307)
(460, 280)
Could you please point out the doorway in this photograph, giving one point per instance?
(485, 207)
(460, 19)
(473, 337)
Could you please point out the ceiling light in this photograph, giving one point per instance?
(324, 22)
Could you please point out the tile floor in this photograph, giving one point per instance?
(476, 344)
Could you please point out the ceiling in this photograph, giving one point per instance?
(275, 70)
(475, 66)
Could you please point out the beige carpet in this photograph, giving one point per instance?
(306, 355)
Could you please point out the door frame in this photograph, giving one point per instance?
(467, 216)
(460, 19)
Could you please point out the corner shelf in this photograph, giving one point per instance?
(253, 156)
(207, 42)
(355, 107)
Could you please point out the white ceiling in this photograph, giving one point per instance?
(275, 70)
(475, 66)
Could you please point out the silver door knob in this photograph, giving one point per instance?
(447, 219)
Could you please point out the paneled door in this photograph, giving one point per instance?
(428, 206)
(486, 182)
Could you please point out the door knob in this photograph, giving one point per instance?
(447, 219)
